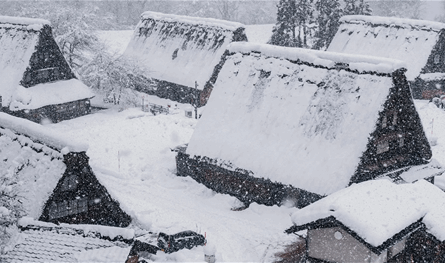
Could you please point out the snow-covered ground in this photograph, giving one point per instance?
(130, 153)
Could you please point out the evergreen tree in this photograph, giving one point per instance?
(302, 17)
(329, 13)
(283, 33)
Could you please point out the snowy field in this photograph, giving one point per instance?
(130, 153)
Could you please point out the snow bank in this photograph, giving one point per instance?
(104, 231)
(180, 49)
(292, 122)
(110, 254)
(53, 93)
(377, 210)
(42, 134)
(408, 40)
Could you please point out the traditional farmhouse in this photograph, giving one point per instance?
(55, 181)
(418, 42)
(179, 54)
(46, 242)
(36, 81)
(376, 221)
(301, 124)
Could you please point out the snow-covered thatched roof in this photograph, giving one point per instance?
(181, 49)
(33, 155)
(397, 38)
(19, 41)
(377, 210)
(296, 116)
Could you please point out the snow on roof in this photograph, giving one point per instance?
(211, 22)
(52, 93)
(325, 59)
(404, 39)
(104, 231)
(44, 242)
(16, 48)
(289, 120)
(394, 21)
(42, 134)
(180, 49)
(22, 21)
(377, 210)
(35, 167)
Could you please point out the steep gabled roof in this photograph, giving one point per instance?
(181, 49)
(296, 116)
(24, 54)
(397, 38)
(45, 242)
(378, 210)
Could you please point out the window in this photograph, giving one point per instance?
(69, 183)
(394, 119)
(66, 208)
(401, 141)
(436, 59)
(382, 146)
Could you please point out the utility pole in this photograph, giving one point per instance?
(196, 100)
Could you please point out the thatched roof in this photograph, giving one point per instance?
(296, 116)
(397, 38)
(20, 42)
(181, 49)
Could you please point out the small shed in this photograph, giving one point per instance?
(55, 181)
(40, 241)
(286, 118)
(375, 221)
(179, 54)
(36, 81)
(418, 42)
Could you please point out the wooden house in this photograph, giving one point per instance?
(289, 123)
(55, 181)
(375, 221)
(417, 42)
(179, 54)
(36, 81)
(46, 242)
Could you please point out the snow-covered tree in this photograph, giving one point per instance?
(357, 7)
(283, 33)
(329, 13)
(399, 8)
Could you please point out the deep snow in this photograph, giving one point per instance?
(130, 154)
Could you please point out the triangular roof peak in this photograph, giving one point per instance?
(192, 20)
(328, 60)
(394, 21)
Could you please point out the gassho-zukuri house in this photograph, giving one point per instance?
(289, 123)
(419, 43)
(55, 181)
(176, 52)
(36, 81)
(375, 221)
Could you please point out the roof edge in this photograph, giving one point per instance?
(23, 21)
(359, 63)
(192, 20)
(395, 21)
